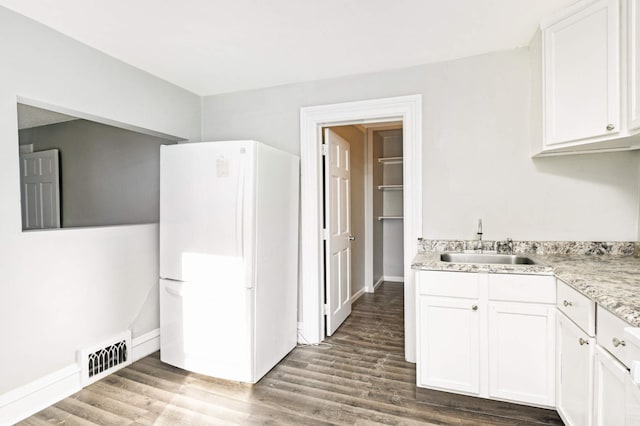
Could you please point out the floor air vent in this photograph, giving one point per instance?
(101, 360)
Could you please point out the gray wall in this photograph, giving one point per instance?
(476, 159)
(109, 176)
(393, 231)
(64, 290)
(377, 208)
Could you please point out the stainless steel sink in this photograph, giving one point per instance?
(493, 259)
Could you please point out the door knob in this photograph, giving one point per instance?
(351, 238)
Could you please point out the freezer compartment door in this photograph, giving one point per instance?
(206, 329)
(205, 209)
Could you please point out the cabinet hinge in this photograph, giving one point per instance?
(325, 309)
(325, 234)
(325, 149)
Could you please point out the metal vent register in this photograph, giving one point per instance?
(106, 358)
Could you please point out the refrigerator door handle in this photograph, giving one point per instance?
(174, 291)
(240, 208)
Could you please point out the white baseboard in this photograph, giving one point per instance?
(302, 340)
(393, 279)
(357, 295)
(144, 345)
(22, 402)
(377, 284)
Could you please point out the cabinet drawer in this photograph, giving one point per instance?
(451, 284)
(610, 334)
(522, 288)
(578, 307)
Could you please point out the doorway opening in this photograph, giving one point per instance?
(363, 214)
(79, 171)
(404, 109)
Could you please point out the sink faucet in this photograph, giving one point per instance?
(509, 246)
(479, 244)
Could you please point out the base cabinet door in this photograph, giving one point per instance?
(449, 348)
(522, 352)
(574, 376)
(609, 396)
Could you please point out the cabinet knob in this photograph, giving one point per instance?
(351, 238)
(610, 127)
(567, 303)
(583, 342)
(617, 342)
(474, 307)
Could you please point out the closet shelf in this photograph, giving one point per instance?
(390, 187)
(390, 160)
(390, 217)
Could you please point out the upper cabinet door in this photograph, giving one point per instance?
(633, 8)
(581, 69)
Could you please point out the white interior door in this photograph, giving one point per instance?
(40, 189)
(338, 225)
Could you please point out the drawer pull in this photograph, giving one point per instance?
(617, 342)
(583, 342)
(567, 303)
(474, 307)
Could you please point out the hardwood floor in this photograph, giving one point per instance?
(358, 378)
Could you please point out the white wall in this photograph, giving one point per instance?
(62, 290)
(476, 118)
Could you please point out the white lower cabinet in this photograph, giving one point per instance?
(610, 378)
(487, 335)
(449, 356)
(574, 381)
(521, 352)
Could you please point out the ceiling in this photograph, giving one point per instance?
(215, 46)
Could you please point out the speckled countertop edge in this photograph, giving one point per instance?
(610, 280)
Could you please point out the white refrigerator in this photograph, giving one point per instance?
(228, 257)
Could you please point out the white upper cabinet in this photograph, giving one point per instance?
(633, 59)
(581, 77)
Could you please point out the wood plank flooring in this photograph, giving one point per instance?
(358, 378)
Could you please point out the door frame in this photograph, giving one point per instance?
(407, 109)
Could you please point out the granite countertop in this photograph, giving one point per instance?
(612, 281)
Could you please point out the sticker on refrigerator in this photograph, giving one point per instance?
(222, 167)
